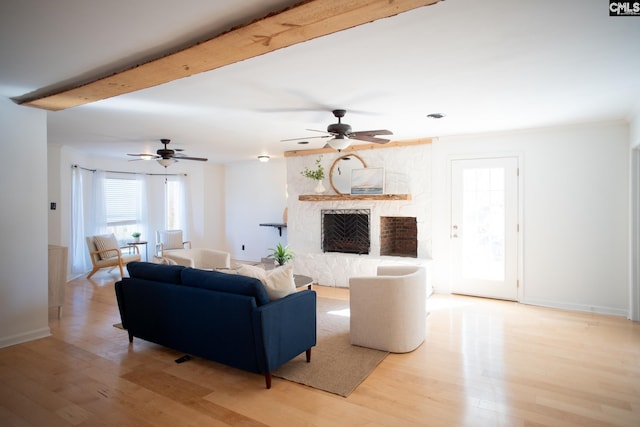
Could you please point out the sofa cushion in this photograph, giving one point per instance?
(156, 272)
(223, 282)
(277, 282)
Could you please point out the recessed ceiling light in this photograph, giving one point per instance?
(436, 115)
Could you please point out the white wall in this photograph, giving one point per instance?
(53, 192)
(256, 193)
(213, 202)
(634, 132)
(575, 230)
(23, 264)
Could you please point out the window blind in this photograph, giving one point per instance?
(121, 199)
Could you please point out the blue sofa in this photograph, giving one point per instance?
(226, 318)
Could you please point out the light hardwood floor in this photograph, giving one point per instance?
(484, 363)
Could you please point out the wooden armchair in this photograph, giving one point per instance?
(105, 252)
(170, 240)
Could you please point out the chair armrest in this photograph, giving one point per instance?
(103, 251)
(288, 327)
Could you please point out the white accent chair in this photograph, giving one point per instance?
(168, 241)
(202, 258)
(388, 311)
(105, 252)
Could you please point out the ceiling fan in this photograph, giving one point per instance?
(166, 156)
(342, 133)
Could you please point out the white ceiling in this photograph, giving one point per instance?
(489, 65)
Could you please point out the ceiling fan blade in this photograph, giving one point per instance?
(306, 137)
(368, 138)
(372, 132)
(201, 159)
(151, 156)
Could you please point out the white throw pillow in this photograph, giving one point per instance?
(277, 282)
(106, 242)
(280, 282)
(253, 271)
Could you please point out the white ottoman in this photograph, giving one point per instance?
(205, 259)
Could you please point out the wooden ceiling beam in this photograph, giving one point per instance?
(359, 147)
(304, 21)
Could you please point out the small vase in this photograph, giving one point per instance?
(319, 187)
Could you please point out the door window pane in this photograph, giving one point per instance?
(483, 211)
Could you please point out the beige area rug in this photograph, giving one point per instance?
(336, 366)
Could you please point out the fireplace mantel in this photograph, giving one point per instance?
(351, 197)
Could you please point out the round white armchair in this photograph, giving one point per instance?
(388, 311)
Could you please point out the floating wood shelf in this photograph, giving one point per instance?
(278, 226)
(349, 197)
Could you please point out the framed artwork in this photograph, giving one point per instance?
(367, 181)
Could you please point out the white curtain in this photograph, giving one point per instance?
(142, 218)
(177, 205)
(79, 254)
(98, 217)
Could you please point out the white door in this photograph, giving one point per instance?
(484, 227)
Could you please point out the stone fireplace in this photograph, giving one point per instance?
(332, 258)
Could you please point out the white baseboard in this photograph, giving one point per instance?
(578, 307)
(24, 337)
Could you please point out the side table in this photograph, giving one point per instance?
(146, 251)
(302, 281)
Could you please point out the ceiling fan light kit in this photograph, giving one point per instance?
(339, 143)
(166, 162)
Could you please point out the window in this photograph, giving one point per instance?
(123, 198)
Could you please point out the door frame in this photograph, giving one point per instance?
(520, 234)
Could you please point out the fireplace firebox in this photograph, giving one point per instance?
(346, 231)
(398, 236)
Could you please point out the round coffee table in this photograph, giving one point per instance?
(302, 281)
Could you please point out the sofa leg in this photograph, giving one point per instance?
(267, 378)
(130, 337)
(308, 355)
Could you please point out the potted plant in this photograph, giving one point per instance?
(136, 236)
(281, 254)
(316, 174)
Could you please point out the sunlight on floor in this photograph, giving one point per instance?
(445, 303)
(345, 312)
